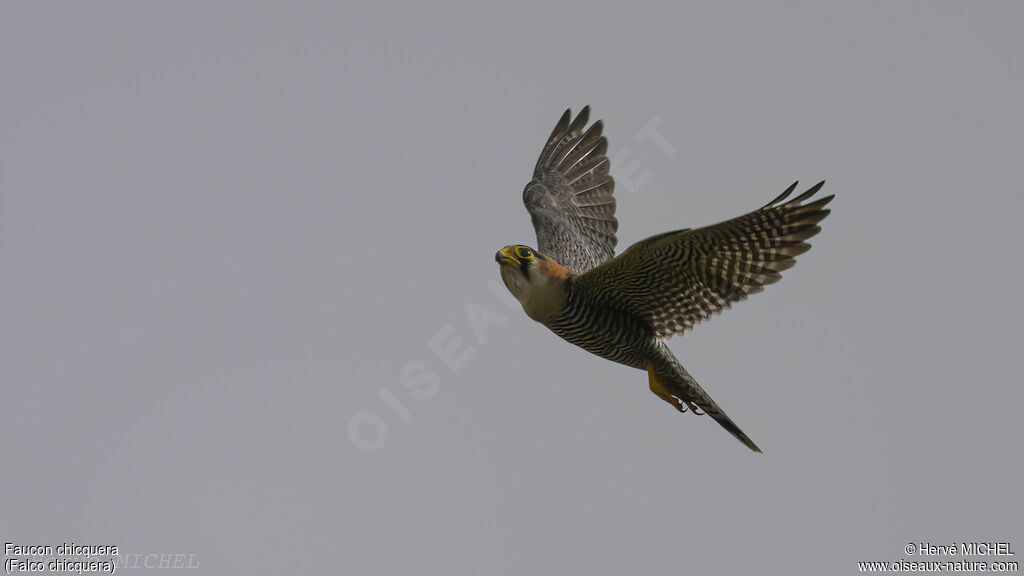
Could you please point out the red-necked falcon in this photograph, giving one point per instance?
(624, 307)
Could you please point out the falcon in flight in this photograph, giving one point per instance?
(624, 307)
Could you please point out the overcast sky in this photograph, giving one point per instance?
(247, 260)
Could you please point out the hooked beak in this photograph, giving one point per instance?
(506, 256)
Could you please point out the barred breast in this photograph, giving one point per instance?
(606, 331)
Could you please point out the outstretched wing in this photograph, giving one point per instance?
(570, 197)
(678, 279)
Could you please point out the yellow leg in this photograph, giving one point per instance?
(660, 391)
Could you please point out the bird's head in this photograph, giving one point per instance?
(537, 281)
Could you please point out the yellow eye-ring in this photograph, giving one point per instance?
(524, 252)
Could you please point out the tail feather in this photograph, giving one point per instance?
(690, 391)
(725, 422)
(680, 385)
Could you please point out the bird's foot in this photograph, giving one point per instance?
(661, 391)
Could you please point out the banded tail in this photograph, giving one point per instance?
(682, 391)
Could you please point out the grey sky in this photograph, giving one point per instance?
(225, 229)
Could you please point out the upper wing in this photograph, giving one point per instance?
(678, 279)
(570, 197)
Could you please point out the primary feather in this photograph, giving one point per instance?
(570, 197)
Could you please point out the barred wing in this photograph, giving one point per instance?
(678, 279)
(570, 197)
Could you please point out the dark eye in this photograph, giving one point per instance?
(524, 252)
